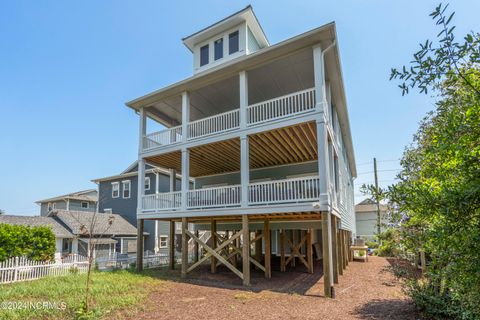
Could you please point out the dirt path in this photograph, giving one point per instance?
(366, 291)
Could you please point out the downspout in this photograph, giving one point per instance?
(334, 43)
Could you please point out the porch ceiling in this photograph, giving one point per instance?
(280, 77)
(277, 147)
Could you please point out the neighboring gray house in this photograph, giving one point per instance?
(111, 232)
(118, 194)
(63, 236)
(366, 218)
(85, 200)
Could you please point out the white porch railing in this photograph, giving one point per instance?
(214, 124)
(284, 191)
(260, 193)
(281, 107)
(162, 201)
(214, 197)
(162, 138)
(277, 108)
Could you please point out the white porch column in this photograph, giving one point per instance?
(323, 164)
(185, 176)
(243, 99)
(173, 179)
(185, 114)
(142, 128)
(157, 184)
(141, 162)
(75, 245)
(319, 76)
(244, 169)
(322, 133)
(141, 184)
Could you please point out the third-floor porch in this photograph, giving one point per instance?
(270, 95)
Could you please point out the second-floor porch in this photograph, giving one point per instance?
(283, 170)
(284, 191)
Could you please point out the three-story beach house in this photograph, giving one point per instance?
(263, 131)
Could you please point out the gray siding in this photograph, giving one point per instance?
(58, 205)
(76, 205)
(273, 173)
(127, 208)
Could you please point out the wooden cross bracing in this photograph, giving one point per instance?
(295, 251)
(215, 252)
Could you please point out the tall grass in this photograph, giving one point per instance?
(111, 291)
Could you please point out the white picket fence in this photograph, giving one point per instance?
(18, 269)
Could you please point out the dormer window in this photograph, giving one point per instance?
(218, 49)
(204, 55)
(233, 44)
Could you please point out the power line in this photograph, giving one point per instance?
(385, 170)
(371, 162)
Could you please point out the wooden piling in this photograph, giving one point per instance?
(184, 247)
(268, 250)
(246, 250)
(171, 246)
(213, 260)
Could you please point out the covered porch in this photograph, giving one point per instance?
(241, 249)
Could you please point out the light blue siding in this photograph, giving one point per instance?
(252, 43)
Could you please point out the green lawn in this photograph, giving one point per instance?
(111, 291)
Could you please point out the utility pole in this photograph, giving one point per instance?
(376, 195)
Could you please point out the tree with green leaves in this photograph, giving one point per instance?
(443, 64)
(439, 185)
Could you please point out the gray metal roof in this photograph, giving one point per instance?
(106, 224)
(35, 221)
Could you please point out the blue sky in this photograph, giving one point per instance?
(67, 68)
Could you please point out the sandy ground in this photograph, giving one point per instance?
(365, 291)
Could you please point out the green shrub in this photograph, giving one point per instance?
(371, 244)
(35, 243)
(389, 243)
(436, 305)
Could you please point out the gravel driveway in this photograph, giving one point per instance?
(366, 291)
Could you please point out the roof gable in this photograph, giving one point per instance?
(245, 15)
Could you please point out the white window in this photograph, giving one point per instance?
(163, 242)
(107, 210)
(233, 42)
(50, 206)
(147, 183)
(126, 189)
(204, 53)
(85, 205)
(115, 189)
